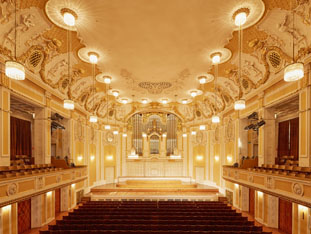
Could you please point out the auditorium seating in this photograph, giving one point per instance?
(154, 217)
(24, 170)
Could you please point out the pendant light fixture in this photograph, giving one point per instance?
(13, 69)
(93, 118)
(68, 104)
(115, 132)
(240, 20)
(193, 132)
(295, 70)
(215, 118)
(107, 126)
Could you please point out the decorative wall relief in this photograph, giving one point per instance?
(269, 182)
(39, 182)
(79, 130)
(155, 87)
(109, 138)
(297, 189)
(250, 178)
(230, 130)
(12, 189)
(217, 135)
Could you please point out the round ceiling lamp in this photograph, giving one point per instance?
(115, 93)
(216, 58)
(240, 16)
(206, 78)
(69, 17)
(164, 101)
(124, 101)
(193, 93)
(293, 72)
(93, 57)
(144, 101)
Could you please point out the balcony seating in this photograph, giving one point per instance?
(154, 217)
(24, 170)
(296, 171)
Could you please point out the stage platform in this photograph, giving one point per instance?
(154, 189)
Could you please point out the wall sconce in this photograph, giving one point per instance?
(184, 134)
(109, 157)
(260, 194)
(6, 208)
(144, 135)
(236, 185)
(92, 158)
(229, 158)
(239, 143)
(199, 157)
(80, 158)
(164, 135)
(303, 210)
(73, 186)
(216, 158)
(49, 194)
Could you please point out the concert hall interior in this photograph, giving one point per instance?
(158, 116)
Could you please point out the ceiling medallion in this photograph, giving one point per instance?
(206, 78)
(102, 78)
(224, 55)
(155, 87)
(88, 55)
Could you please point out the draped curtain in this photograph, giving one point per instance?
(20, 137)
(283, 141)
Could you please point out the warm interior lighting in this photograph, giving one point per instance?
(239, 143)
(164, 101)
(202, 127)
(216, 58)
(229, 158)
(107, 127)
(124, 101)
(115, 132)
(236, 185)
(49, 193)
(69, 19)
(92, 157)
(109, 157)
(93, 57)
(293, 72)
(216, 158)
(115, 93)
(124, 135)
(164, 135)
(6, 208)
(202, 79)
(199, 157)
(239, 104)
(184, 134)
(73, 185)
(193, 133)
(193, 93)
(80, 158)
(240, 19)
(134, 156)
(303, 210)
(215, 119)
(93, 118)
(107, 79)
(184, 101)
(69, 104)
(175, 156)
(260, 194)
(14, 70)
(144, 134)
(144, 101)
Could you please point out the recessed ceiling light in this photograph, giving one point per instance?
(115, 93)
(107, 79)
(69, 17)
(193, 93)
(216, 58)
(164, 101)
(202, 79)
(124, 100)
(184, 101)
(144, 101)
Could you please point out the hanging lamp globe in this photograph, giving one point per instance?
(14, 70)
(215, 119)
(239, 104)
(69, 104)
(93, 119)
(293, 72)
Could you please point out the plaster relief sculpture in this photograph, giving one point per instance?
(297, 189)
(12, 189)
(79, 130)
(269, 182)
(39, 182)
(155, 87)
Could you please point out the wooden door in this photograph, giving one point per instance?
(24, 216)
(57, 201)
(252, 201)
(285, 216)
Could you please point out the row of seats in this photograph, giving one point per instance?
(22, 170)
(302, 172)
(154, 217)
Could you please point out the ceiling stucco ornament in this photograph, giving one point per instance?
(54, 10)
(155, 87)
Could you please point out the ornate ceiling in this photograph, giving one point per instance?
(156, 49)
